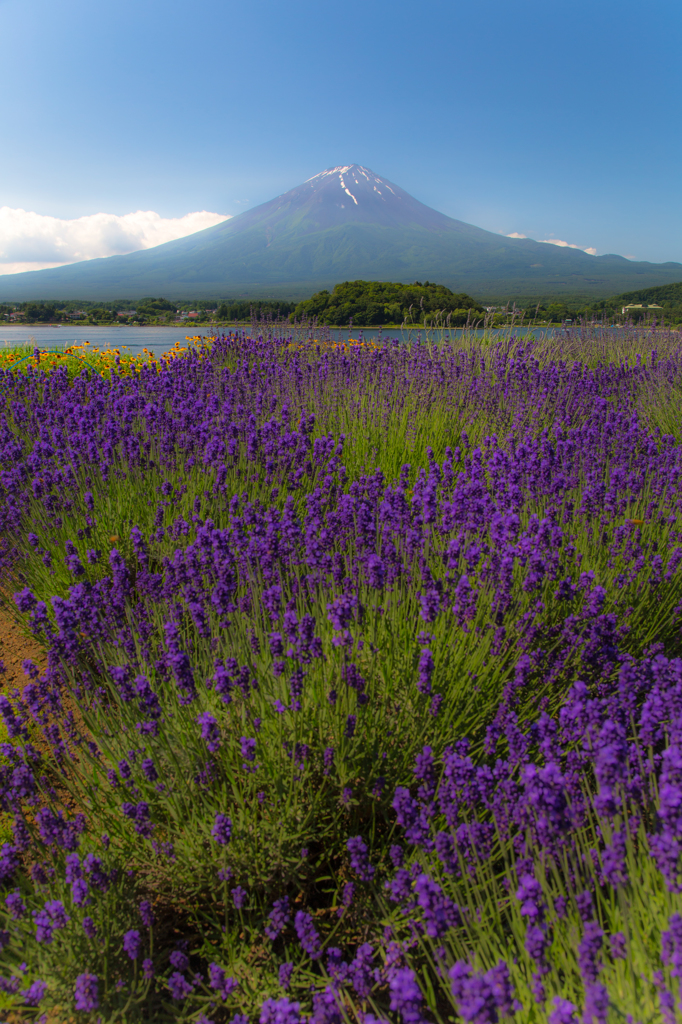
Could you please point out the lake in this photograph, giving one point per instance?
(161, 339)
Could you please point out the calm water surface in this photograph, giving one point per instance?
(160, 339)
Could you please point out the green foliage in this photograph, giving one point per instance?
(372, 303)
(233, 309)
(38, 312)
(667, 296)
(155, 307)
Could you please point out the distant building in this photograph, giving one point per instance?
(639, 305)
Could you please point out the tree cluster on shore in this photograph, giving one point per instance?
(366, 304)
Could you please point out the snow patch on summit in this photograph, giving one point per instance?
(325, 178)
(330, 170)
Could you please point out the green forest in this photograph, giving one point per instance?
(667, 296)
(145, 311)
(375, 303)
(364, 304)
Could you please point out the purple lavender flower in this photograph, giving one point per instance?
(222, 829)
(15, 905)
(80, 892)
(13, 724)
(596, 1004)
(248, 748)
(239, 897)
(148, 969)
(360, 970)
(346, 898)
(280, 1011)
(406, 996)
(210, 732)
(564, 1012)
(89, 927)
(376, 575)
(149, 769)
(86, 992)
(584, 902)
(131, 943)
(588, 951)
(278, 918)
(482, 997)
(218, 980)
(146, 913)
(359, 860)
(440, 913)
(180, 666)
(426, 667)
(178, 986)
(51, 918)
(35, 993)
(140, 816)
(284, 975)
(179, 960)
(430, 605)
(341, 611)
(349, 730)
(529, 894)
(307, 935)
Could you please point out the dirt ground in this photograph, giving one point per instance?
(15, 648)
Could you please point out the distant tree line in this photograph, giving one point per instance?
(374, 303)
(366, 303)
(244, 309)
(667, 297)
(145, 310)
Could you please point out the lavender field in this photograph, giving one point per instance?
(364, 687)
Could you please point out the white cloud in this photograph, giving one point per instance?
(32, 241)
(567, 245)
(555, 241)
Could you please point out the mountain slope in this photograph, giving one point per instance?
(345, 223)
(668, 295)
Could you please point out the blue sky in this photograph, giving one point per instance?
(543, 117)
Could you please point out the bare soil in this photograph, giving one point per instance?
(15, 648)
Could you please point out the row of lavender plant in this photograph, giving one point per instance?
(332, 730)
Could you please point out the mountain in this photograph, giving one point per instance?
(342, 224)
